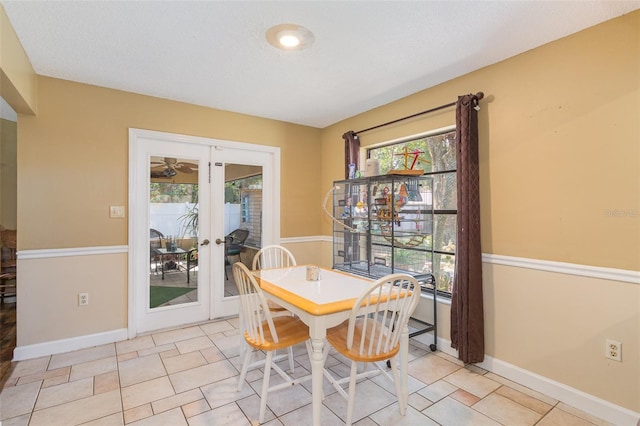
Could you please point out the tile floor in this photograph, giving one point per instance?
(188, 376)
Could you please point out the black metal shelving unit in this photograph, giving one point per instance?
(384, 226)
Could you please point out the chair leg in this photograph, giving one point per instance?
(245, 366)
(352, 392)
(244, 346)
(291, 366)
(265, 386)
(396, 381)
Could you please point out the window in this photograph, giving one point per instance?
(245, 208)
(243, 200)
(436, 155)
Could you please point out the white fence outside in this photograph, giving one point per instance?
(165, 217)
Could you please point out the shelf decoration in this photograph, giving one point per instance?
(409, 170)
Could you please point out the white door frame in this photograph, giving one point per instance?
(138, 245)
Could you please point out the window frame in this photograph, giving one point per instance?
(366, 153)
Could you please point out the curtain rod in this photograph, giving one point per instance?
(479, 95)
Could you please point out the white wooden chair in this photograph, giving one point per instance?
(373, 334)
(275, 256)
(264, 333)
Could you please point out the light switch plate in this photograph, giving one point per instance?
(116, 211)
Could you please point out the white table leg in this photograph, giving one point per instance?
(317, 361)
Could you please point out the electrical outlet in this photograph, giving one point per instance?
(613, 350)
(83, 299)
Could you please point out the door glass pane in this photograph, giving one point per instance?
(173, 234)
(242, 218)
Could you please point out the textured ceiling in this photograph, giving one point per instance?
(214, 53)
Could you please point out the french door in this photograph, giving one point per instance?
(251, 172)
(180, 210)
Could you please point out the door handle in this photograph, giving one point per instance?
(205, 243)
(219, 241)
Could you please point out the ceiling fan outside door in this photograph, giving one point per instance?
(168, 167)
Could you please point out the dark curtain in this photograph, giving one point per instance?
(467, 317)
(351, 151)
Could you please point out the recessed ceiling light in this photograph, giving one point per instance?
(289, 37)
(288, 40)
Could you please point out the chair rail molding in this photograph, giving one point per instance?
(71, 252)
(612, 274)
(308, 239)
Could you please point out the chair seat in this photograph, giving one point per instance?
(337, 336)
(290, 330)
(274, 307)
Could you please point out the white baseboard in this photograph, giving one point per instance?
(65, 345)
(595, 406)
(576, 398)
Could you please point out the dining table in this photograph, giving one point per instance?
(321, 304)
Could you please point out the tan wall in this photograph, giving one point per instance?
(311, 253)
(73, 160)
(8, 175)
(559, 181)
(72, 165)
(48, 297)
(559, 146)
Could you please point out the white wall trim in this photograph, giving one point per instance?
(564, 268)
(70, 252)
(593, 405)
(71, 344)
(612, 274)
(309, 239)
(518, 262)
